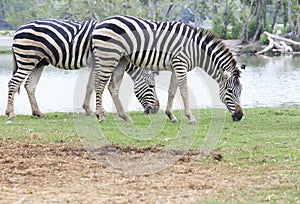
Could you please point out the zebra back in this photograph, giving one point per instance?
(62, 43)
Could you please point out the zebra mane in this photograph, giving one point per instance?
(217, 44)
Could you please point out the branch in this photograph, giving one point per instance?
(280, 46)
(281, 38)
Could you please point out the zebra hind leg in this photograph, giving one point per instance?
(10, 104)
(14, 86)
(101, 77)
(89, 90)
(30, 86)
(182, 83)
(87, 98)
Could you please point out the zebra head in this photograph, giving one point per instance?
(230, 92)
(144, 89)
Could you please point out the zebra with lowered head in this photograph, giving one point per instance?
(172, 46)
(66, 45)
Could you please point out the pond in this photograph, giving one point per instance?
(267, 82)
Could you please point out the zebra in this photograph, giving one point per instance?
(66, 45)
(172, 46)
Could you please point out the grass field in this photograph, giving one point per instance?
(263, 149)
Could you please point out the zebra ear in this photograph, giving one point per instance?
(243, 66)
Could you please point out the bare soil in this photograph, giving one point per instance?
(66, 173)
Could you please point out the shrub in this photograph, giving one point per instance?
(263, 39)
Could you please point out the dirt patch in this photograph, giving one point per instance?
(62, 173)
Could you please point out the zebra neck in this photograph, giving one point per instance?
(213, 57)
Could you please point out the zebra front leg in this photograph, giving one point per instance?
(30, 86)
(181, 74)
(172, 91)
(113, 87)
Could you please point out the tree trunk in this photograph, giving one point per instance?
(247, 20)
(278, 5)
(261, 19)
(290, 17)
(298, 23)
(245, 33)
(298, 26)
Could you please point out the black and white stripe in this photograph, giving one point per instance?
(160, 46)
(63, 44)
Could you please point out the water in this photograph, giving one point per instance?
(267, 82)
(271, 81)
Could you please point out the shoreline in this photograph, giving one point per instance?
(235, 45)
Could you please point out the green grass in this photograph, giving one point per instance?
(265, 135)
(263, 131)
(55, 127)
(265, 144)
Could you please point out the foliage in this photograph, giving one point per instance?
(263, 39)
(19, 12)
(236, 31)
(248, 49)
(227, 17)
(252, 28)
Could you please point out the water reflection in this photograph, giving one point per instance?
(267, 81)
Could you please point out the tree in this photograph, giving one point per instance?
(260, 18)
(277, 9)
(247, 12)
(222, 17)
(294, 17)
(18, 12)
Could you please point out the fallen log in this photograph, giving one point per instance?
(278, 43)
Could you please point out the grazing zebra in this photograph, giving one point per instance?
(172, 46)
(144, 89)
(66, 45)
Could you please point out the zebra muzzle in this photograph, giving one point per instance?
(238, 113)
(152, 109)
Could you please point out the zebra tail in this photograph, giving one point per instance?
(15, 67)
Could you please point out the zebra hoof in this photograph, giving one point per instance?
(88, 113)
(174, 120)
(11, 118)
(192, 122)
(38, 114)
(101, 120)
(42, 115)
(129, 120)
